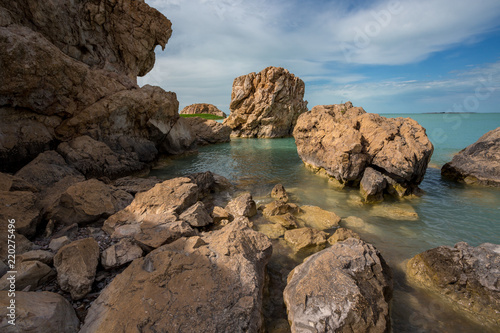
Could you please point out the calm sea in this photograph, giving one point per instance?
(448, 212)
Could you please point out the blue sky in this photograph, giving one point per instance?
(386, 56)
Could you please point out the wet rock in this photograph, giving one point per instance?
(45, 257)
(38, 312)
(279, 207)
(56, 243)
(479, 163)
(303, 239)
(272, 230)
(344, 288)
(242, 205)
(134, 185)
(373, 185)
(87, 202)
(318, 218)
(76, 265)
(203, 108)
(341, 234)
(220, 278)
(209, 131)
(468, 277)
(196, 215)
(287, 220)
(344, 140)
(279, 193)
(29, 273)
(120, 254)
(266, 104)
(20, 206)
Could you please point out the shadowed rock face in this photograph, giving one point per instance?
(203, 108)
(479, 163)
(266, 104)
(344, 141)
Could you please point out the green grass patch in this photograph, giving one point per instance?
(202, 115)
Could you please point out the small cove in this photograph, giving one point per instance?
(446, 214)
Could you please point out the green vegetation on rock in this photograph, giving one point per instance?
(202, 115)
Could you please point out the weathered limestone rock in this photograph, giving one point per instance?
(479, 163)
(87, 202)
(203, 108)
(266, 104)
(76, 265)
(344, 141)
(121, 253)
(344, 288)
(341, 234)
(208, 131)
(303, 239)
(38, 312)
(242, 205)
(279, 193)
(20, 206)
(209, 284)
(196, 215)
(29, 273)
(286, 220)
(318, 218)
(271, 230)
(468, 277)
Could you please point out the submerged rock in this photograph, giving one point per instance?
(199, 284)
(468, 277)
(304, 239)
(266, 104)
(479, 163)
(345, 141)
(344, 288)
(203, 108)
(316, 217)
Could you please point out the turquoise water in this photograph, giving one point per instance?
(446, 214)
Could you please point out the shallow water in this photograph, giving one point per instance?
(446, 214)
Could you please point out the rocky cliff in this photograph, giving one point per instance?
(69, 69)
(266, 104)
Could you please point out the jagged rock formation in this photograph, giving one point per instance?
(344, 288)
(203, 108)
(479, 163)
(69, 69)
(468, 277)
(266, 104)
(384, 155)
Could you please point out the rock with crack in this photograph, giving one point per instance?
(199, 284)
(479, 163)
(38, 312)
(344, 288)
(120, 254)
(467, 277)
(266, 104)
(21, 207)
(343, 141)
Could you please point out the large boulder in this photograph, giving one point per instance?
(344, 141)
(37, 312)
(266, 104)
(31, 274)
(209, 131)
(208, 284)
(344, 288)
(203, 108)
(479, 163)
(468, 277)
(19, 206)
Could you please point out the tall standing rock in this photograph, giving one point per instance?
(345, 141)
(266, 104)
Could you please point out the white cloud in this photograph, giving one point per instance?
(215, 41)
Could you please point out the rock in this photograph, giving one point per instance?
(219, 214)
(468, 277)
(479, 163)
(87, 202)
(286, 220)
(344, 288)
(29, 273)
(341, 234)
(318, 218)
(70, 231)
(38, 312)
(196, 215)
(242, 205)
(344, 141)
(266, 104)
(271, 230)
(203, 108)
(13, 183)
(208, 131)
(56, 243)
(23, 244)
(95, 159)
(76, 265)
(279, 207)
(208, 284)
(134, 185)
(21, 207)
(279, 193)
(303, 239)
(120, 254)
(180, 138)
(45, 257)
(372, 185)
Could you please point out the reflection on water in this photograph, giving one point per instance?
(446, 214)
